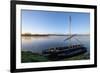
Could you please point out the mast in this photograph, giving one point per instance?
(71, 36)
(70, 32)
(70, 28)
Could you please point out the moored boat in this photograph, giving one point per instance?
(64, 52)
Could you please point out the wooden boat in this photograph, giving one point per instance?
(64, 52)
(66, 49)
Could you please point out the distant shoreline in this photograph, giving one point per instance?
(54, 35)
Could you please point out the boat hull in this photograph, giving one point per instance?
(65, 52)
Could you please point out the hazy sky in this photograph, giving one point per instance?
(47, 22)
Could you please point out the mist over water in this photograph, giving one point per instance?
(37, 44)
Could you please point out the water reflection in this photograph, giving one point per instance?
(38, 44)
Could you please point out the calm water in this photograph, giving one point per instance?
(38, 44)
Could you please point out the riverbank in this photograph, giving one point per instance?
(27, 56)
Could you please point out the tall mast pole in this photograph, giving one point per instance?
(70, 28)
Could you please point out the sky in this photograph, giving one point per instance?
(51, 22)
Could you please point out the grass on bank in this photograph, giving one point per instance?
(78, 57)
(27, 56)
(32, 57)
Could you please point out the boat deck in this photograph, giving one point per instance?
(62, 52)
